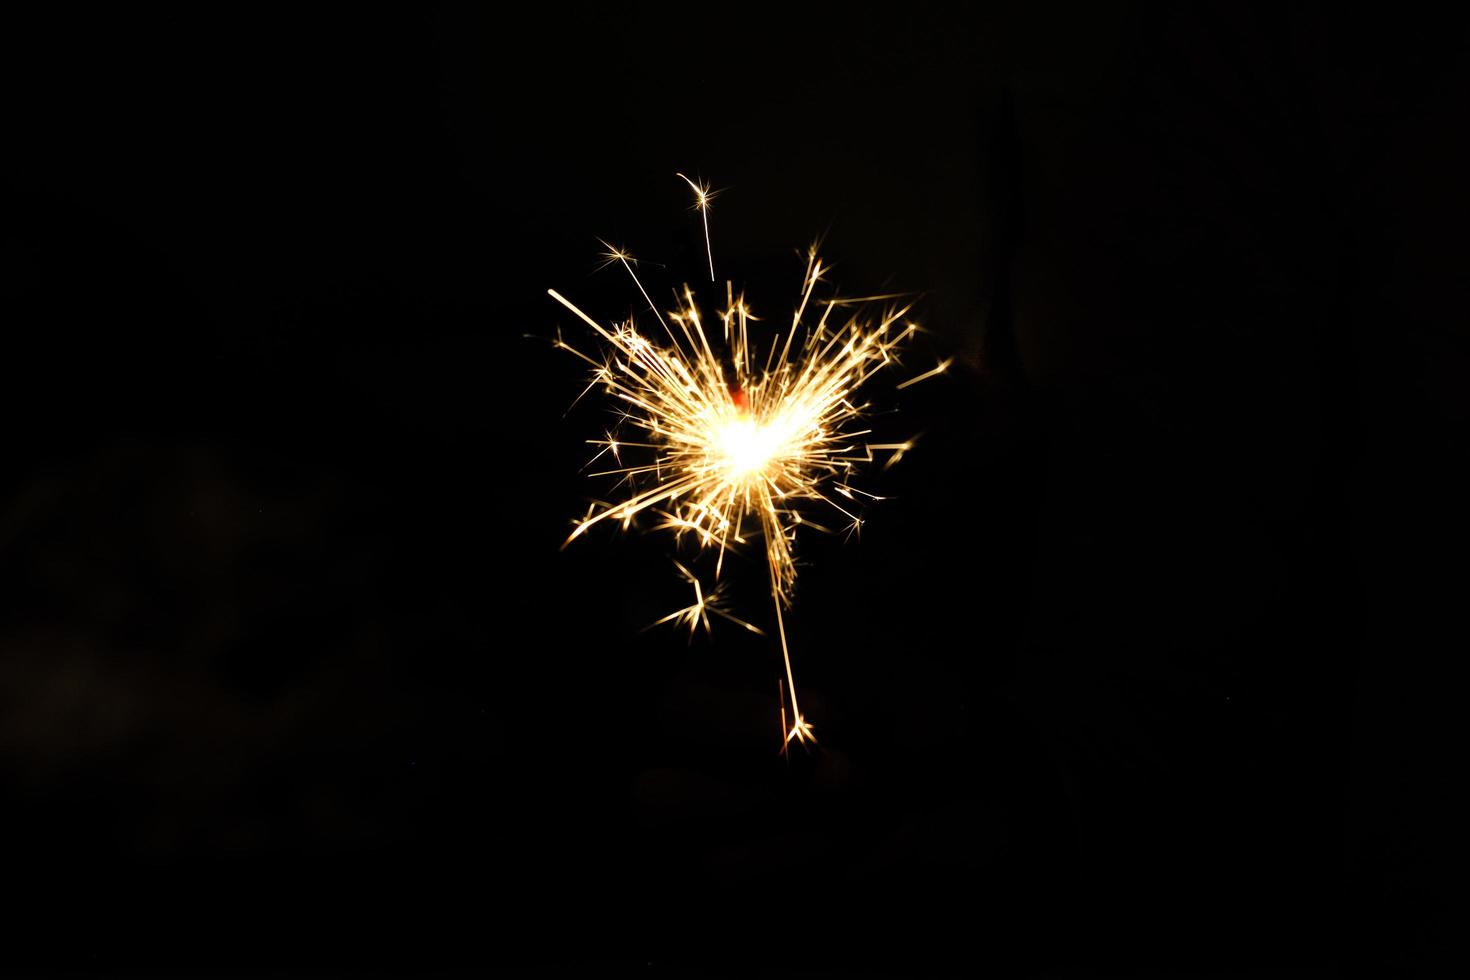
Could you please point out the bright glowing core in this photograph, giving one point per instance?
(745, 447)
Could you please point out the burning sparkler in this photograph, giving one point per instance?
(733, 447)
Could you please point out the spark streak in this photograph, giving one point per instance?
(702, 196)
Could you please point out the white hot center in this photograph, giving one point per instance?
(745, 447)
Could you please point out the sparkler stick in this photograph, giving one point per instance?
(732, 448)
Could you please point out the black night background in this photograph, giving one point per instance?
(1145, 669)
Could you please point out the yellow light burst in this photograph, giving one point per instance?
(746, 439)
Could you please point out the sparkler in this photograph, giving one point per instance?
(748, 440)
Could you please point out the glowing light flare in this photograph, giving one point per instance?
(746, 447)
(741, 442)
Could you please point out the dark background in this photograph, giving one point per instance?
(1146, 666)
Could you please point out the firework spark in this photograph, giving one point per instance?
(696, 614)
(747, 440)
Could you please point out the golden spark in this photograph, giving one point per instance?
(702, 196)
(746, 438)
(697, 613)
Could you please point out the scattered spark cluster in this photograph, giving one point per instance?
(735, 440)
